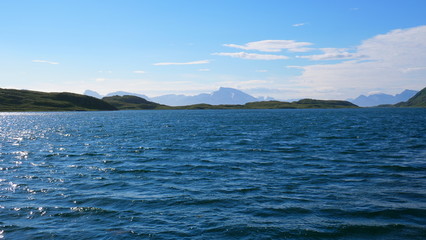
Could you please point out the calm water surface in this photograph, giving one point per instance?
(214, 174)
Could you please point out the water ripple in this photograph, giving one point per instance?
(237, 174)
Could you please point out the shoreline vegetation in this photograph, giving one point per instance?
(13, 100)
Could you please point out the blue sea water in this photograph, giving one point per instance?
(214, 174)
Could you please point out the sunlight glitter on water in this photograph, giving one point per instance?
(90, 175)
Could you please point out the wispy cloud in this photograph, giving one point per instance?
(274, 46)
(44, 61)
(204, 70)
(252, 56)
(394, 60)
(295, 67)
(298, 24)
(182, 63)
(413, 69)
(139, 72)
(334, 54)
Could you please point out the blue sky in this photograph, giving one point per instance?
(284, 49)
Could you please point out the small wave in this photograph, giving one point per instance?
(279, 212)
(402, 168)
(418, 146)
(134, 171)
(240, 190)
(399, 213)
(245, 231)
(289, 149)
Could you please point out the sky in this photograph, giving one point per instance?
(285, 49)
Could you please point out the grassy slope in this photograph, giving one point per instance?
(418, 100)
(134, 103)
(12, 100)
(24, 100)
(128, 102)
(301, 104)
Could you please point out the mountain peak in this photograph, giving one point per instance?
(223, 95)
(228, 89)
(92, 94)
(230, 96)
(382, 98)
(418, 100)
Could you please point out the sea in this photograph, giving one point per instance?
(214, 174)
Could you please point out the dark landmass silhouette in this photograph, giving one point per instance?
(25, 100)
(128, 102)
(122, 93)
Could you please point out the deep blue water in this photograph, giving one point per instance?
(214, 174)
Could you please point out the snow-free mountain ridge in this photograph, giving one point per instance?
(234, 96)
(382, 98)
(221, 96)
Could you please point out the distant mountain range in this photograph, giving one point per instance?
(418, 100)
(221, 96)
(382, 98)
(234, 96)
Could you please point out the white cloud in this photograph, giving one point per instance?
(391, 63)
(298, 24)
(373, 92)
(413, 69)
(261, 71)
(139, 72)
(295, 67)
(182, 63)
(204, 70)
(274, 46)
(333, 54)
(44, 61)
(100, 79)
(252, 56)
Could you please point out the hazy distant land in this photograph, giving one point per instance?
(232, 96)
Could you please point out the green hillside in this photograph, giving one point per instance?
(129, 102)
(136, 103)
(418, 100)
(302, 104)
(12, 100)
